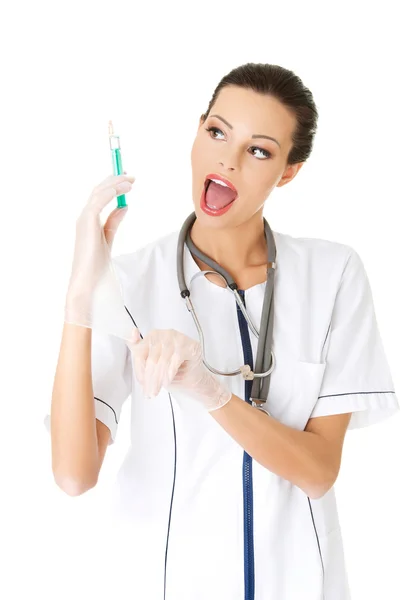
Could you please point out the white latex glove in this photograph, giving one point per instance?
(92, 263)
(168, 358)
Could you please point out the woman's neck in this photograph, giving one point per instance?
(242, 249)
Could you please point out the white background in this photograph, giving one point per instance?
(67, 69)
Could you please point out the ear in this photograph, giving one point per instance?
(289, 174)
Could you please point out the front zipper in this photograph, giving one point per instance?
(249, 559)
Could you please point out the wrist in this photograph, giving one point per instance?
(222, 398)
(77, 304)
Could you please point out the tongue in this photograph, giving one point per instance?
(218, 196)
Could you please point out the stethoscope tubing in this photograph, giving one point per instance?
(245, 370)
(265, 359)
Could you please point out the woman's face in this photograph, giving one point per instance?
(253, 165)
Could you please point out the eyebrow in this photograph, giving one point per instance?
(256, 135)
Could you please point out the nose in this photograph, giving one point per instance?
(228, 167)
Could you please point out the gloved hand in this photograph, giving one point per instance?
(168, 358)
(92, 264)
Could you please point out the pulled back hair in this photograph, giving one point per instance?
(286, 87)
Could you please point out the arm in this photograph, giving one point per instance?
(76, 456)
(309, 459)
(78, 442)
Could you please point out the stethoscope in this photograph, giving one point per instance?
(263, 365)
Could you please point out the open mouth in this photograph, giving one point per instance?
(218, 195)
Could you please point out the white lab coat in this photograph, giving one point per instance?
(180, 486)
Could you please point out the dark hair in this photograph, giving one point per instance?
(288, 89)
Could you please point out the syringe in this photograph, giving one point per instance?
(117, 161)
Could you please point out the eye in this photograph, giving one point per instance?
(213, 129)
(266, 153)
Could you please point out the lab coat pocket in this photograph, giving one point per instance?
(306, 384)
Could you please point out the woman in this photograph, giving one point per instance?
(230, 501)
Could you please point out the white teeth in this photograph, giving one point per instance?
(220, 182)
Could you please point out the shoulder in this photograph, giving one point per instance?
(134, 266)
(328, 257)
(314, 247)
